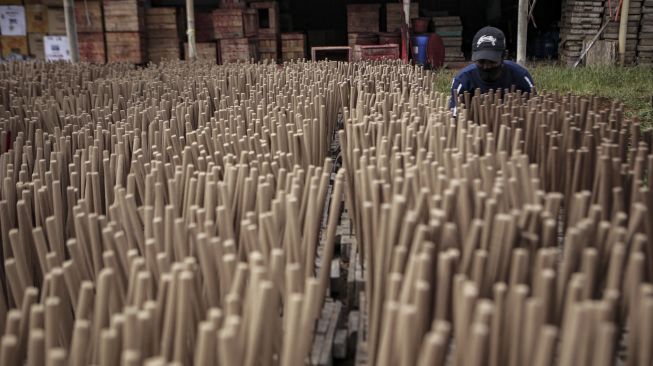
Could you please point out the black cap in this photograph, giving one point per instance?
(489, 44)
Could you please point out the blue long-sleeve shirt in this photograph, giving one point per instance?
(469, 78)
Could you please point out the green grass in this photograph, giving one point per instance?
(631, 85)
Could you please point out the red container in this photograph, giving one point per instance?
(420, 25)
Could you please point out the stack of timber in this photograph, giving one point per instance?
(163, 40)
(393, 15)
(269, 29)
(580, 19)
(90, 31)
(611, 32)
(236, 31)
(450, 29)
(293, 46)
(645, 44)
(124, 21)
(37, 26)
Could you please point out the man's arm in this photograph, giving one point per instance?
(456, 89)
(527, 84)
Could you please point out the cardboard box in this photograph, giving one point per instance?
(56, 48)
(37, 18)
(56, 22)
(14, 45)
(36, 45)
(12, 20)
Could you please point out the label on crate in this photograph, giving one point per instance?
(56, 48)
(12, 21)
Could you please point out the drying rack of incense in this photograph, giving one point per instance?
(249, 214)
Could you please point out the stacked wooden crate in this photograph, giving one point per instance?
(450, 29)
(645, 45)
(90, 32)
(236, 30)
(163, 41)
(268, 29)
(37, 27)
(293, 46)
(124, 21)
(611, 32)
(205, 44)
(362, 24)
(13, 31)
(393, 15)
(580, 19)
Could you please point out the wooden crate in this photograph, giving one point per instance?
(88, 16)
(92, 47)
(37, 18)
(362, 39)
(56, 22)
(238, 49)
(363, 17)
(232, 4)
(162, 23)
(393, 15)
(14, 45)
(55, 3)
(205, 50)
(36, 46)
(126, 47)
(235, 23)
(268, 17)
(293, 46)
(204, 26)
(11, 2)
(376, 52)
(124, 16)
(269, 47)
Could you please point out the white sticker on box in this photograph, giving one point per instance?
(12, 20)
(56, 48)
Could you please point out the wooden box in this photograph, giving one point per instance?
(36, 46)
(162, 23)
(14, 45)
(37, 18)
(293, 46)
(235, 23)
(362, 39)
(124, 16)
(126, 47)
(238, 49)
(268, 17)
(88, 16)
(11, 2)
(376, 52)
(363, 17)
(269, 47)
(205, 50)
(204, 26)
(55, 3)
(92, 47)
(56, 22)
(232, 4)
(393, 15)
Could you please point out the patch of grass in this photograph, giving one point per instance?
(631, 85)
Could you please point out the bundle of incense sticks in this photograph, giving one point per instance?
(518, 233)
(172, 215)
(165, 215)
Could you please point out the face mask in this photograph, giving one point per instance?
(490, 75)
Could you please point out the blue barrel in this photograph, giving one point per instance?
(419, 46)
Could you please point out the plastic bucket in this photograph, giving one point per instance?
(419, 45)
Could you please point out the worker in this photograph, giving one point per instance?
(489, 70)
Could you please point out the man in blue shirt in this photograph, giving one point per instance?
(489, 70)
